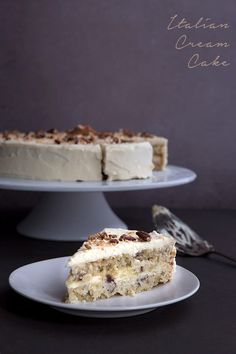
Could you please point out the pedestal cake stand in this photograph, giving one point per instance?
(69, 211)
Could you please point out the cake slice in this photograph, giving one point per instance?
(119, 262)
(159, 145)
(124, 161)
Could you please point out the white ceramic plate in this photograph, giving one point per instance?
(45, 282)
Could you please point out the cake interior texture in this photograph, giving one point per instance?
(129, 266)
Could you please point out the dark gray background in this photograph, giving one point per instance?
(113, 64)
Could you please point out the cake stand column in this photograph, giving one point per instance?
(69, 216)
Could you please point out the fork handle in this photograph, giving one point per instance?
(224, 255)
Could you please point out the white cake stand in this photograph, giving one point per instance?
(69, 211)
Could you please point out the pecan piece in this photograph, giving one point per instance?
(6, 135)
(40, 134)
(110, 283)
(128, 133)
(113, 240)
(146, 135)
(102, 236)
(116, 140)
(109, 278)
(52, 131)
(87, 245)
(126, 237)
(87, 139)
(71, 138)
(104, 135)
(82, 130)
(92, 237)
(143, 236)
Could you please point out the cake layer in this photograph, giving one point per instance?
(117, 261)
(103, 288)
(66, 162)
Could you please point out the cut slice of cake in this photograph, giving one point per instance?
(119, 262)
(124, 161)
(159, 145)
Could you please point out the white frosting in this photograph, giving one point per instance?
(44, 160)
(128, 160)
(67, 162)
(130, 247)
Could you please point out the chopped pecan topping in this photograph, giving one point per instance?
(146, 135)
(40, 134)
(116, 140)
(143, 236)
(87, 245)
(92, 237)
(52, 131)
(75, 139)
(112, 236)
(104, 135)
(98, 237)
(126, 237)
(113, 240)
(87, 139)
(6, 135)
(75, 131)
(10, 133)
(82, 130)
(101, 235)
(71, 138)
(109, 278)
(127, 133)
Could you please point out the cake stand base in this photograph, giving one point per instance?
(70, 211)
(69, 216)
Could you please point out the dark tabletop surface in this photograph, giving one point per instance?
(204, 323)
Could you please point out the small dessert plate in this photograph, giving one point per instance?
(44, 282)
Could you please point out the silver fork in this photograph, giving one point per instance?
(188, 242)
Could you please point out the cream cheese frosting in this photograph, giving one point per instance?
(67, 162)
(106, 249)
(128, 160)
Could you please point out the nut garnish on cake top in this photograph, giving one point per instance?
(104, 238)
(133, 261)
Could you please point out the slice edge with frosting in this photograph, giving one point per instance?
(119, 262)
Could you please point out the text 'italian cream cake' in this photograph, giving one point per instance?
(119, 262)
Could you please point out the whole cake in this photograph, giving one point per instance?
(81, 154)
(119, 262)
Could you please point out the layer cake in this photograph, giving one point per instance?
(119, 262)
(81, 154)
